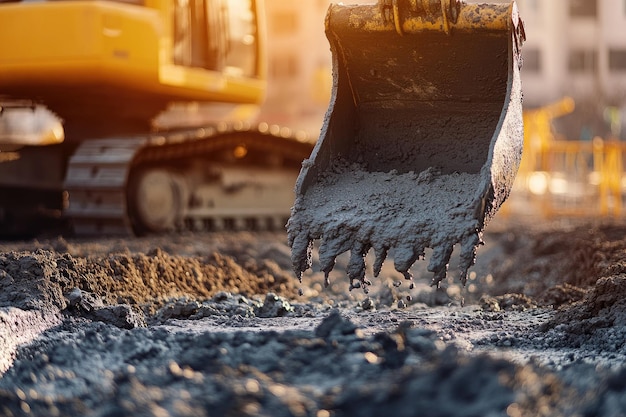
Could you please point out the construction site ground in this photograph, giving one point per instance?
(213, 325)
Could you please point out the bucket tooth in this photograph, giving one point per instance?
(405, 256)
(301, 253)
(356, 264)
(439, 263)
(422, 138)
(380, 256)
(330, 248)
(469, 244)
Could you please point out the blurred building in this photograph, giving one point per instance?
(298, 64)
(577, 48)
(574, 48)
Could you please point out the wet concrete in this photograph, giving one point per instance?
(403, 214)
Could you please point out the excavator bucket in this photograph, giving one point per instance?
(422, 138)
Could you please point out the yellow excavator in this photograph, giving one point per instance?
(419, 147)
(107, 69)
(422, 138)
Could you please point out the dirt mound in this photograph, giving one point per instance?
(45, 280)
(534, 261)
(599, 316)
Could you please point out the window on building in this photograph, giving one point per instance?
(532, 60)
(583, 61)
(284, 66)
(617, 59)
(583, 8)
(284, 23)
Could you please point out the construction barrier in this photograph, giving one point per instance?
(571, 178)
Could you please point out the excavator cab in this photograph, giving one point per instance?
(109, 67)
(106, 69)
(421, 140)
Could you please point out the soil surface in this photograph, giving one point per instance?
(213, 325)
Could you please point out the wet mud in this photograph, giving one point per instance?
(205, 325)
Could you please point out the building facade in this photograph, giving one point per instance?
(298, 64)
(577, 48)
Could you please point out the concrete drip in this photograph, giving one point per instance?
(350, 209)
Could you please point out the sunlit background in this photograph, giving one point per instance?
(574, 82)
(573, 77)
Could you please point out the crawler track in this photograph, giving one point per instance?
(104, 197)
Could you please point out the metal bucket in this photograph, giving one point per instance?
(422, 138)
